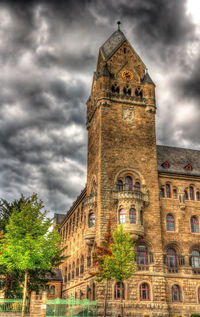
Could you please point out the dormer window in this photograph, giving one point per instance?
(165, 164)
(188, 167)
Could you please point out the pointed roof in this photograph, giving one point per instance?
(105, 71)
(147, 79)
(113, 43)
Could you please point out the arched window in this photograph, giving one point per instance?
(176, 294)
(69, 274)
(168, 191)
(185, 195)
(128, 183)
(82, 265)
(122, 216)
(47, 289)
(77, 268)
(137, 186)
(198, 196)
(132, 215)
(170, 222)
(191, 193)
(127, 91)
(194, 224)
(52, 291)
(144, 291)
(171, 258)
(142, 255)
(119, 185)
(119, 289)
(162, 192)
(141, 217)
(174, 193)
(88, 295)
(93, 292)
(195, 259)
(199, 294)
(91, 220)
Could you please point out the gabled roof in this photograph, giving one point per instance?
(113, 43)
(178, 158)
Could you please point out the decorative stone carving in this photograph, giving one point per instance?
(127, 114)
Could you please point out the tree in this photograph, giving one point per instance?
(28, 243)
(102, 272)
(121, 264)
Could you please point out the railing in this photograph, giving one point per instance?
(132, 194)
(13, 305)
(71, 307)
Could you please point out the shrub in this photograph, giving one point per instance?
(195, 315)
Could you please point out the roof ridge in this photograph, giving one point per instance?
(176, 147)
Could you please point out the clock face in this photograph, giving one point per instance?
(127, 74)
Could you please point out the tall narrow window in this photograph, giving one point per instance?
(170, 223)
(162, 192)
(198, 196)
(137, 186)
(194, 224)
(144, 292)
(174, 193)
(119, 185)
(142, 255)
(47, 289)
(168, 191)
(171, 258)
(185, 195)
(195, 259)
(176, 294)
(132, 215)
(122, 216)
(82, 265)
(128, 183)
(119, 290)
(141, 217)
(77, 268)
(191, 193)
(91, 220)
(52, 291)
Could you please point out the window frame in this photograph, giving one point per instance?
(170, 223)
(194, 226)
(122, 216)
(145, 289)
(132, 215)
(176, 292)
(91, 219)
(117, 287)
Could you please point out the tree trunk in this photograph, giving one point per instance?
(121, 300)
(105, 299)
(24, 292)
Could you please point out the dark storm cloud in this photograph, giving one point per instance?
(48, 52)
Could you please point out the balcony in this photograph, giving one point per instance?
(89, 236)
(134, 195)
(135, 230)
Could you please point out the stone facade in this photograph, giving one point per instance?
(153, 192)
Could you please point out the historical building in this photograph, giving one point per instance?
(153, 190)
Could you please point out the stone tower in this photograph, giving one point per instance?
(122, 159)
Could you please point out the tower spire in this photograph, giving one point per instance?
(118, 22)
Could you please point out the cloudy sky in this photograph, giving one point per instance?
(48, 52)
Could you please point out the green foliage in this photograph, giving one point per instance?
(28, 244)
(121, 264)
(195, 315)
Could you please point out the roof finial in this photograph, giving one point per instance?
(118, 22)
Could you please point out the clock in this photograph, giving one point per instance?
(127, 75)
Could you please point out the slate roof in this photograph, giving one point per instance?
(114, 41)
(178, 158)
(147, 79)
(55, 276)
